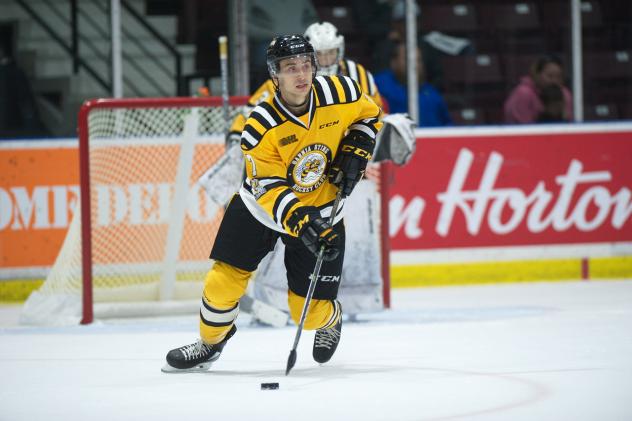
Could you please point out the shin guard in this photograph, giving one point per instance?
(223, 287)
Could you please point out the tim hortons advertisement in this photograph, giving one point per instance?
(514, 189)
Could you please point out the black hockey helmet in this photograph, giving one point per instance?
(289, 46)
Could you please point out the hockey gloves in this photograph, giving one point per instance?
(348, 167)
(314, 231)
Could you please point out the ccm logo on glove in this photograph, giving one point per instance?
(306, 223)
(348, 167)
(356, 151)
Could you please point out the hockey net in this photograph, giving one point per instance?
(139, 243)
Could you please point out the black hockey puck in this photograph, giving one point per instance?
(269, 386)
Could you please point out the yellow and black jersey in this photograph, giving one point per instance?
(350, 68)
(288, 157)
(360, 74)
(265, 91)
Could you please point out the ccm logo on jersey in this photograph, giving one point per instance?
(328, 278)
(356, 151)
(331, 123)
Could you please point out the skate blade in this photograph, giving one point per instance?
(200, 368)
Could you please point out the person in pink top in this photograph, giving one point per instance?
(525, 104)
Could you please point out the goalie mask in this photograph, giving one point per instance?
(288, 46)
(329, 45)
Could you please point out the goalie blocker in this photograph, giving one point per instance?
(396, 141)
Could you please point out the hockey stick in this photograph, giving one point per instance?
(223, 57)
(291, 360)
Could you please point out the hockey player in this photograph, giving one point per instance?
(396, 142)
(329, 46)
(313, 132)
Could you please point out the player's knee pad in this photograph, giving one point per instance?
(223, 287)
(321, 313)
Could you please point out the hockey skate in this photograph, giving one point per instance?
(196, 357)
(326, 342)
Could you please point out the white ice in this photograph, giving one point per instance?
(537, 351)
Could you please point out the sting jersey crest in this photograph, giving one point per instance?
(308, 169)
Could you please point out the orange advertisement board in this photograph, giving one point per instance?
(39, 189)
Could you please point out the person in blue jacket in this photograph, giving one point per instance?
(433, 111)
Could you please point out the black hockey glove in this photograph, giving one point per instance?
(314, 231)
(348, 167)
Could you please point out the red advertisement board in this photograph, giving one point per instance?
(514, 188)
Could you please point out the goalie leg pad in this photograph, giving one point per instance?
(223, 287)
(223, 178)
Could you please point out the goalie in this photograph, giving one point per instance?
(361, 288)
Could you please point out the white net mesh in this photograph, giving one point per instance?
(152, 226)
(153, 222)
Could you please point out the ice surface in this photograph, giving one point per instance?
(538, 351)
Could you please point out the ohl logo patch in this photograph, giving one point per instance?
(307, 171)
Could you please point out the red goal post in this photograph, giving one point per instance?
(84, 153)
(144, 232)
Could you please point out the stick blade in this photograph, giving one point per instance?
(291, 360)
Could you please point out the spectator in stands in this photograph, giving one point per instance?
(266, 20)
(391, 83)
(18, 111)
(383, 24)
(553, 111)
(525, 104)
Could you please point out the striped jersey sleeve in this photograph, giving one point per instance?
(364, 79)
(266, 180)
(262, 118)
(265, 91)
(335, 90)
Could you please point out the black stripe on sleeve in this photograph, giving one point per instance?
(270, 109)
(319, 92)
(356, 88)
(289, 206)
(277, 202)
(275, 185)
(261, 119)
(346, 89)
(253, 132)
(334, 91)
(370, 125)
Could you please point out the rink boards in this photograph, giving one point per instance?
(481, 204)
(494, 204)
